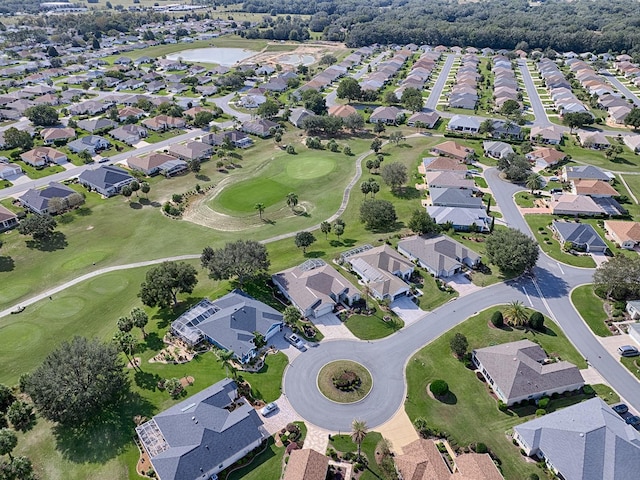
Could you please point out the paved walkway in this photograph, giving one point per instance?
(317, 438)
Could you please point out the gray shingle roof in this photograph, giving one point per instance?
(579, 233)
(518, 369)
(199, 434)
(586, 171)
(104, 177)
(454, 197)
(440, 252)
(39, 199)
(587, 441)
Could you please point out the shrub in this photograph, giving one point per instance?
(522, 452)
(540, 412)
(543, 402)
(588, 390)
(497, 319)
(291, 150)
(481, 448)
(502, 406)
(536, 321)
(439, 388)
(533, 476)
(617, 313)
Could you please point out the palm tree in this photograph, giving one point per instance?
(534, 182)
(292, 200)
(140, 319)
(260, 208)
(127, 345)
(366, 289)
(225, 356)
(359, 431)
(325, 227)
(516, 314)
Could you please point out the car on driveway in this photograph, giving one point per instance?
(633, 420)
(297, 342)
(268, 408)
(620, 409)
(628, 351)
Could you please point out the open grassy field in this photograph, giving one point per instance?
(626, 162)
(472, 414)
(590, 308)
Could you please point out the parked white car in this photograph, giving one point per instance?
(297, 342)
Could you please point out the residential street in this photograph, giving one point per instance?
(620, 86)
(539, 112)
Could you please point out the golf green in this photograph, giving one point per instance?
(243, 196)
(308, 168)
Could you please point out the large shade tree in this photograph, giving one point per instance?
(619, 278)
(512, 251)
(163, 283)
(378, 215)
(77, 380)
(242, 260)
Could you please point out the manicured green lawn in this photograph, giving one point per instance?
(433, 297)
(632, 365)
(551, 246)
(606, 393)
(626, 162)
(524, 199)
(472, 415)
(344, 444)
(35, 173)
(590, 308)
(634, 184)
(266, 465)
(373, 327)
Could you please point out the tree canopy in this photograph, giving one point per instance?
(515, 167)
(243, 260)
(349, 88)
(619, 278)
(77, 381)
(577, 119)
(378, 215)
(411, 99)
(422, 224)
(40, 227)
(394, 174)
(304, 240)
(632, 119)
(163, 283)
(42, 115)
(511, 250)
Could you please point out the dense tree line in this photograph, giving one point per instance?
(580, 26)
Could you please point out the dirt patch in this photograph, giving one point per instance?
(315, 50)
(186, 381)
(134, 363)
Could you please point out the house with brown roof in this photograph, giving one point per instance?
(625, 234)
(428, 119)
(440, 164)
(154, 163)
(50, 135)
(315, 288)
(594, 140)
(544, 157)
(191, 150)
(129, 133)
(593, 188)
(127, 112)
(449, 179)
(551, 134)
(342, 111)
(421, 460)
(306, 464)
(522, 370)
(454, 150)
(41, 156)
(163, 122)
(568, 204)
(8, 219)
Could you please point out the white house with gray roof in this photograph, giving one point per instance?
(315, 288)
(461, 219)
(383, 269)
(454, 197)
(521, 370)
(201, 436)
(497, 149)
(229, 323)
(441, 255)
(587, 441)
(582, 235)
(584, 172)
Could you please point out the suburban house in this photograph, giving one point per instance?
(260, 127)
(421, 460)
(521, 370)
(50, 135)
(593, 188)
(126, 112)
(97, 124)
(439, 164)
(229, 323)
(298, 115)
(566, 204)
(586, 441)
(191, 150)
(153, 163)
(464, 124)
(632, 141)
(91, 143)
(497, 149)
(202, 435)
(129, 134)
(315, 288)
(625, 234)
(38, 200)
(383, 269)
(306, 464)
(237, 139)
(90, 107)
(8, 170)
(163, 122)
(633, 309)
(107, 180)
(551, 134)
(342, 111)
(449, 179)
(427, 119)
(544, 157)
(594, 140)
(582, 235)
(454, 150)
(454, 197)
(441, 255)
(388, 115)
(584, 172)
(462, 219)
(8, 219)
(41, 156)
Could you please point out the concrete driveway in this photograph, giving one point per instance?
(279, 418)
(407, 310)
(332, 328)
(599, 258)
(461, 284)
